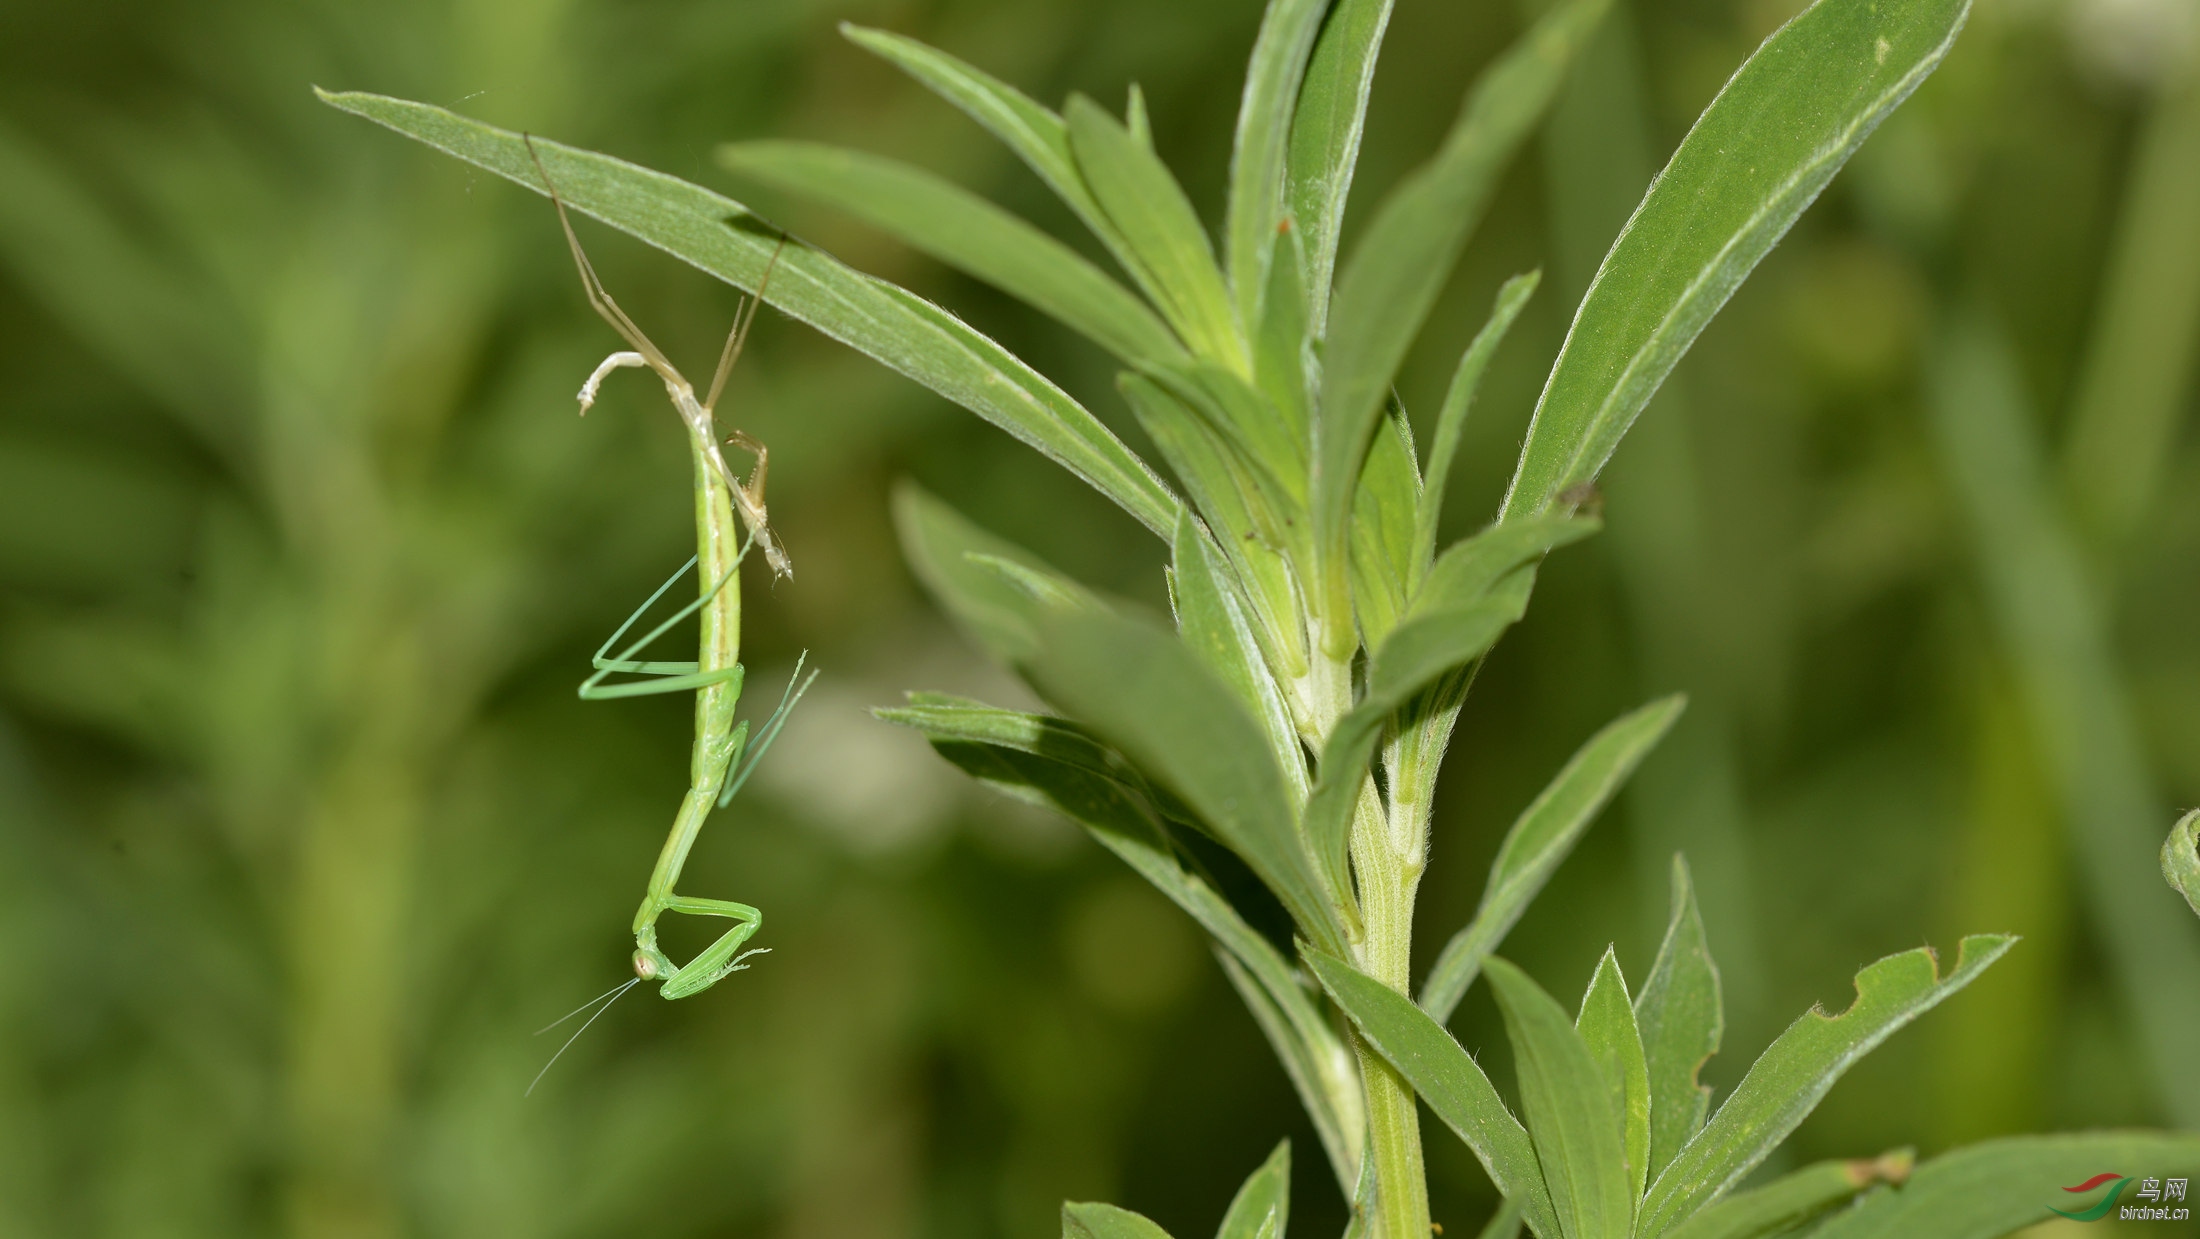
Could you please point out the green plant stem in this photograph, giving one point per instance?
(1389, 870)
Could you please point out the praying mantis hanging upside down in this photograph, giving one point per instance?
(729, 519)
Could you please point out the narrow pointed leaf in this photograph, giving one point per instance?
(992, 587)
(1539, 840)
(1055, 764)
(1607, 1027)
(1792, 1198)
(1145, 692)
(1503, 1224)
(1411, 246)
(1682, 1017)
(899, 329)
(1447, 1078)
(1272, 80)
(966, 232)
(1025, 126)
(1150, 212)
(1575, 1121)
(1225, 494)
(1323, 1073)
(1325, 137)
(1262, 1207)
(1099, 1221)
(1234, 406)
(1385, 507)
(1214, 626)
(1776, 134)
(2181, 858)
(1451, 418)
(1790, 1078)
(1996, 1187)
(1282, 356)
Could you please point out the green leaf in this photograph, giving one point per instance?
(1389, 498)
(1682, 1018)
(1444, 626)
(1174, 262)
(992, 587)
(1410, 249)
(1098, 1221)
(1325, 138)
(2181, 858)
(1231, 404)
(1790, 1078)
(966, 232)
(1998, 1186)
(1262, 1207)
(1214, 626)
(1776, 134)
(1272, 80)
(1792, 1198)
(1223, 490)
(898, 328)
(1447, 1078)
(1539, 840)
(1607, 1027)
(1282, 353)
(1055, 764)
(1031, 130)
(1451, 418)
(1459, 614)
(1574, 1119)
(1503, 1224)
(1147, 694)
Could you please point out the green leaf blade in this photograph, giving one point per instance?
(1451, 416)
(1411, 247)
(895, 327)
(966, 232)
(1214, 625)
(991, 587)
(1057, 765)
(1792, 1198)
(1448, 1079)
(1771, 140)
(1540, 839)
(1573, 1118)
(1607, 1027)
(2181, 859)
(1325, 137)
(1257, 156)
(1148, 209)
(1993, 1188)
(1262, 1207)
(1682, 1017)
(1147, 694)
(1789, 1079)
(1100, 1221)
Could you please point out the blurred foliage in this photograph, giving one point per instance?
(302, 549)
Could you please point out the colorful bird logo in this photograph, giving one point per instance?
(2107, 1201)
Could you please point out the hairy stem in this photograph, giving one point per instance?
(1389, 871)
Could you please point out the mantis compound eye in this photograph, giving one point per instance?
(644, 966)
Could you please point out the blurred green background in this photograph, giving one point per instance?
(302, 551)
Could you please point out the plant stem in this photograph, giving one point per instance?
(1389, 875)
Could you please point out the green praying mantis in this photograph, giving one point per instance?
(730, 518)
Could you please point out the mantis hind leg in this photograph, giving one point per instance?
(717, 961)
